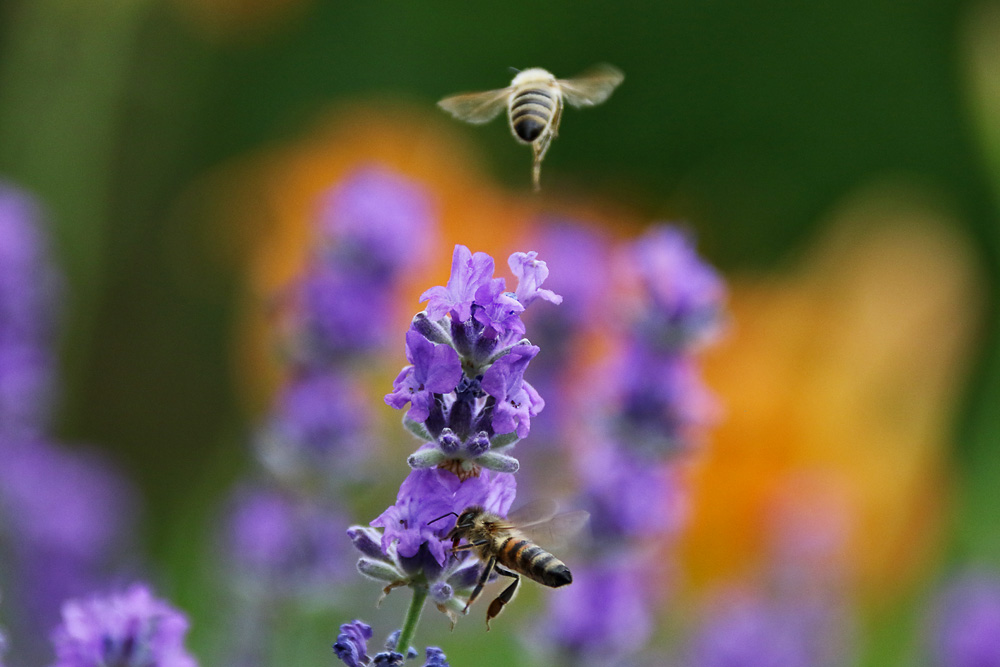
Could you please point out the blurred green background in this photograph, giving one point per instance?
(748, 119)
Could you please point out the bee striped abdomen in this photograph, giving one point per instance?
(530, 113)
(533, 561)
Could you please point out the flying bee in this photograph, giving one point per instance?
(534, 101)
(507, 546)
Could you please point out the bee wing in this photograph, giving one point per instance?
(556, 532)
(592, 87)
(476, 107)
(534, 512)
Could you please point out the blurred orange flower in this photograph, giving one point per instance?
(838, 382)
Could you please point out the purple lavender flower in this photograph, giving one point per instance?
(531, 272)
(427, 495)
(498, 311)
(130, 628)
(379, 222)
(285, 543)
(685, 293)
(516, 400)
(435, 370)
(468, 273)
(965, 627)
(352, 643)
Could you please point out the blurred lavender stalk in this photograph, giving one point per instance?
(284, 538)
(631, 416)
(62, 512)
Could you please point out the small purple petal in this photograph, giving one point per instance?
(436, 369)
(515, 404)
(468, 273)
(531, 273)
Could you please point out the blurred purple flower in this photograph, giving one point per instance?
(516, 400)
(352, 643)
(469, 272)
(25, 386)
(428, 494)
(436, 369)
(287, 543)
(579, 259)
(619, 488)
(59, 500)
(28, 287)
(604, 616)
(378, 221)
(130, 628)
(685, 293)
(28, 281)
(319, 423)
(341, 313)
(965, 628)
(747, 630)
(662, 402)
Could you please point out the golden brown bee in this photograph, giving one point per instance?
(505, 545)
(534, 101)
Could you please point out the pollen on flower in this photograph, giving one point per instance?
(462, 468)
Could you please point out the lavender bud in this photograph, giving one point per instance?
(366, 540)
(430, 329)
(441, 592)
(449, 442)
(425, 458)
(498, 462)
(478, 445)
(379, 570)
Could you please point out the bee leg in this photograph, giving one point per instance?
(505, 596)
(541, 147)
(487, 569)
(471, 545)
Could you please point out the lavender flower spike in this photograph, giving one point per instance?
(469, 272)
(131, 628)
(352, 643)
(531, 273)
(435, 369)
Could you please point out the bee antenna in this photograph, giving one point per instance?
(441, 517)
(514, 70)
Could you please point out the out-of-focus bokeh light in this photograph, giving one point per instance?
(840, 381)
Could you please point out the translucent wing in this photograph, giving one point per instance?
(476, 107)
(557, 531)
(592, 87)
(534, 512)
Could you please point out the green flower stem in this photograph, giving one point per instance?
(412, 619)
